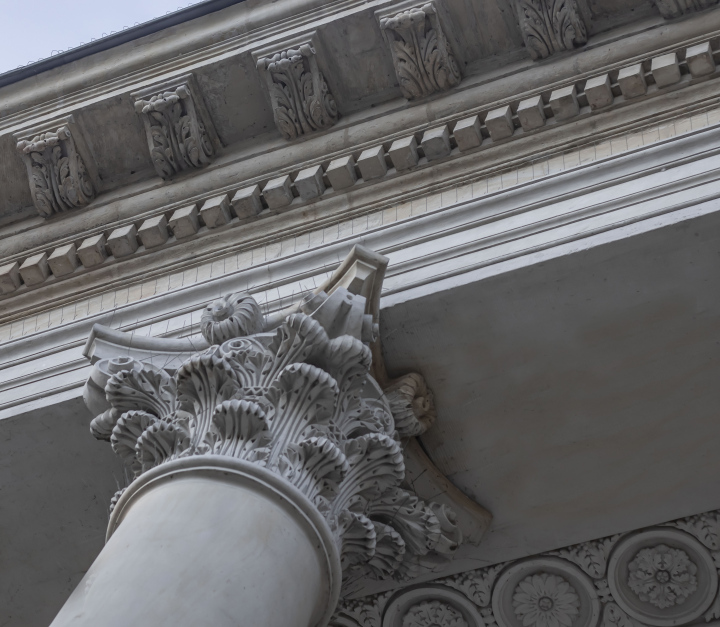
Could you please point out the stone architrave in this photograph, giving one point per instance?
(59, 179)
(301, 100)
(423, 60)
(180, 133)
(550, 26)
(675, 8)
(269, 453)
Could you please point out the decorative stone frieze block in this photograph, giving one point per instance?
(58, 175)
(675, 8)
(215, 212)
(699, 59)
(372, 163)
(436, 143)
(499, 123)
(309, 183)
(301, 100)
(247, 202)
(294, 396)
(123, 242)
(341, 173)
(423, 60)
(34, 270)
(10, 277)
(467, 133)
(278, 192)
(664, 576)
(531, 113)
(180, 133)
(564, 103)
(153, 232)
(63, 260)
(403, 153)
(184, 222)
(550, 26)
(632, 81)
(598, 92)
(665, 69)
(92, 251)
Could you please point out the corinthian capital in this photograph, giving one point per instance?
(423, 60)
(59, 179)
(550, 26)
(180, 133)
(301, 100)
(295, 396)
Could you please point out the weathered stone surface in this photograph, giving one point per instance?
(403, 153)
(467, 133)
(699, 59)
(63, 260)
(92, 251)
(154, 232)
(665, 69)
(436, 143)
(531, 113)
(550, 26)
(246, 202)
(123, 242)
(632, 81)
(372, 163)
(215, 212)
(10, 277)
(341, 173)
(278, 192)
(598, 92)
(184, 222)
(309, 183)
(499, 123)
(34, 270)
(564, 103)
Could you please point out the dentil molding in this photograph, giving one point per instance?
(661, 576)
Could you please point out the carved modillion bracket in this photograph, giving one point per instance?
(61, 172)
(550, 26)
(422, 56)
(180, 132)
(300, 97)
(675, 8)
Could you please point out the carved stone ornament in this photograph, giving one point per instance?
(291, 393)
(662, 575)
(545, 600)
(550, 26)
(432, 614)
(423, 60)
(301, 100)
(675, 8)
(179, 132)
(59, 180)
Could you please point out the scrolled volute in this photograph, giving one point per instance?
(299, 401)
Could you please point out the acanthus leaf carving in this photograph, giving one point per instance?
(423, 59)
(550, 26)
(301, 99)
(476, 585)
(180, 134)
(592, 556)
(412, 406)
(298, 400)
(58, 176)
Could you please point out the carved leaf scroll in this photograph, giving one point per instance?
(550, 26)
(423, 60)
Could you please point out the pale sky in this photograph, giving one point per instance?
(32, 29)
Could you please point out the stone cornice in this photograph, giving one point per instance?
(473, 135)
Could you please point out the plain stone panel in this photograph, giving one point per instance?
(564, 103)
(467, 133)
(184, 222)
(499, 123)
(246, 202)
(403, 153)
(341, 173)
(34, 270)
(309, 182)
(123, 241)
(632, 81)
(63, 260)
(598, 92)
(10, 277)
(154, 232)
(215, 212)
(372, 163)
(665, 69)
(278, 192)
(531, 113)
(699, 59)
(436, 143)
(92, 251)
